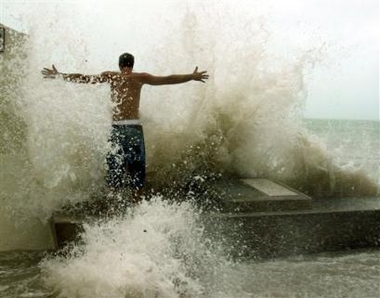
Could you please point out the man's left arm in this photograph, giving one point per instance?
(174, 79)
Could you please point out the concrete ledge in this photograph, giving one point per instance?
(262, 219)
(276, 234)
(65, 229)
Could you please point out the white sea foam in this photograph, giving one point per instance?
(159, 250)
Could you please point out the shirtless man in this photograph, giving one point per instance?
(127, 139)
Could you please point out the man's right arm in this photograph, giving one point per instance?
(76, 77)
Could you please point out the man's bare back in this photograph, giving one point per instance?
(125, 94)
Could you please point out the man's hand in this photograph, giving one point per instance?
(200, 76)
(50, 73)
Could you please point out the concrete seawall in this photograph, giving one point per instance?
(259, 218)
(330, 225)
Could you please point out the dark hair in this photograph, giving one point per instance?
(126, 60)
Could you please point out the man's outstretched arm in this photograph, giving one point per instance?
(75, 77)
(175, 79)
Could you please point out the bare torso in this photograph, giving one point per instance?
(125, 94)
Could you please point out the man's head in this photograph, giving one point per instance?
(126, 60)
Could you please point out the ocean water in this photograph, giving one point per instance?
(353, 144)
(53, 141)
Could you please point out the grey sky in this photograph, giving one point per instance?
(344, 85)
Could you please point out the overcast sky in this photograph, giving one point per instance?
(347, 85)
(344, 85)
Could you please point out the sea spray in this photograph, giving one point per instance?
(156, 250)
(246, 121)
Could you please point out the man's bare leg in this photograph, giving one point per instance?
(138, 195)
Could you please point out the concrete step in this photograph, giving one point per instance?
(330, 225)
(258, 195)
